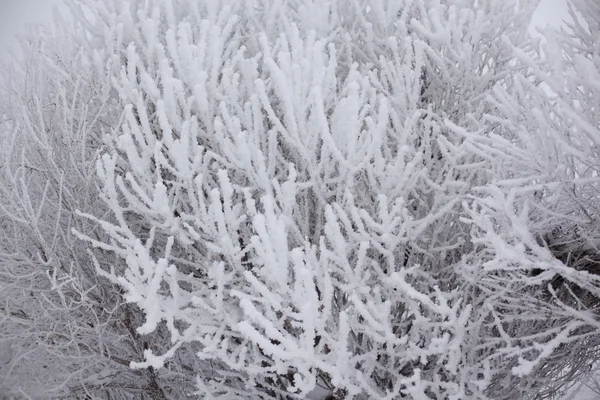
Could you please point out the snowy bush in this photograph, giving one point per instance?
(281, 199)
(292, 190)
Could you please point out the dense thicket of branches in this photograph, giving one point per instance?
(275, 199)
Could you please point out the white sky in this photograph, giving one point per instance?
(15, 14)
(549, 12)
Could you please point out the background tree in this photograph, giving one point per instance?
(544, 140)
(64, 333)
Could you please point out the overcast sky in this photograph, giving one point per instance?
(549, 12)
(15, 13)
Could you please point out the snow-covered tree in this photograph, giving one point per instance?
(282, 199)
(300, 189)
